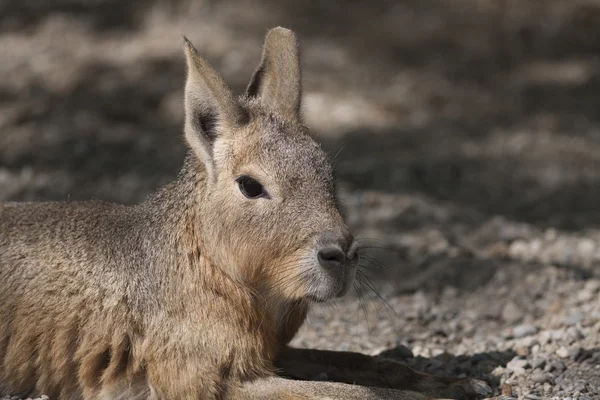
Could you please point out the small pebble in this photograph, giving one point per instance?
(538, 362)
(574, 318)
(512, 312)
(563, 352)
(507, 390)
(531, 396)
(580, 387)
(517, 363)
(520, 331)
(540, 377)
(558, 366)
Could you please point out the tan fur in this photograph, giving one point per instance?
(195, 293)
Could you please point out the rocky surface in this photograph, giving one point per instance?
(465, 135)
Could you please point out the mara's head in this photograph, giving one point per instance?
(269, 211)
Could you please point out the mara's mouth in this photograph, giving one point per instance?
(322, 298)
(326, 272)
(331, 286)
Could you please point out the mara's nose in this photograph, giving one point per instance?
(333, 249)
(331, 257)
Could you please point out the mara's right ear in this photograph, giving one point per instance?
(277, 80)
(210, 107)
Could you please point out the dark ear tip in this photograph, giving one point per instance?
(189, 47)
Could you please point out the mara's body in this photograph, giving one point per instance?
(195, 293)
(74, 294)
(98, 294)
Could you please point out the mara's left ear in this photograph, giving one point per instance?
(211, 110)
(277, 80)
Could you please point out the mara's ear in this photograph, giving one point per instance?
(210, 107)
(277, 80)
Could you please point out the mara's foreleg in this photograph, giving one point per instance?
(276, 388)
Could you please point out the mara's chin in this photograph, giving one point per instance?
(326, 295)
(325, 291)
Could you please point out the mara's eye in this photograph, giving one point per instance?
(251, 188)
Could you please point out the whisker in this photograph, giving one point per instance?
(374, 261)
(357, 308)
(361, 282)
(364, 308)
(338, 153)
(367, 281)
(375, 269)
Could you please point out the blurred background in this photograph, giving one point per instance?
(466, 137)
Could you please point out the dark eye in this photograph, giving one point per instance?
(251, 188)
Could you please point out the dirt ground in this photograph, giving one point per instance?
(466, 138)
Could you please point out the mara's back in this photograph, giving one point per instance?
(66, 271)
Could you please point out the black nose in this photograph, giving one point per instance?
(331, 257)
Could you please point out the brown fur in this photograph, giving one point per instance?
(194, 293)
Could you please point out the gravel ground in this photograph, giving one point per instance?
(466, 140)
